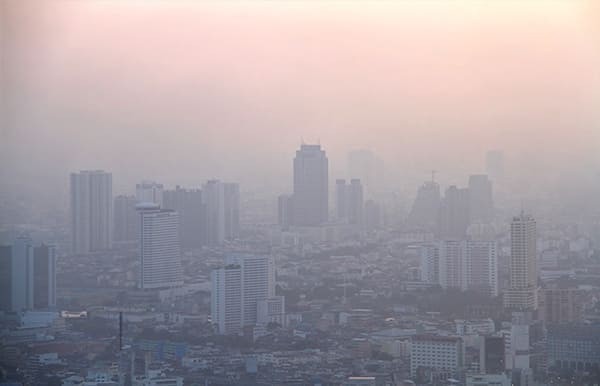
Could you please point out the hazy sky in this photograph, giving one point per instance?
(180, 91)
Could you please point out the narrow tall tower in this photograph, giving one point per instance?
(522, 294)
(311, 190)
(91, 211)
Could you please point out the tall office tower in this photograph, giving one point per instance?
(366, 166)
(231, 193)
(341, 199)
(159, 250)
(453, 215)
(424, 212)
(494, 165)
(149, 192)
(311, 188)
(44, 277)
(91, 211)
(492, 355)
(430, 263)
(481, 208)
(285, 209)
(237, 289)
(349, 201)
(560, 304)
(452, 264)
(222, 203)
(126, 220)
(27, 276)
(522, 294)
(372, 214)
(188, 203)
(481, 266)
(355, 202)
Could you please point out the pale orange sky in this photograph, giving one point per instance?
(180, 91)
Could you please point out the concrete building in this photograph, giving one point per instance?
(492, 355)
(271, 310)
(522, 294)
(311, 189)
(438, 353)
(481, 258)
(285, 209)
(481, 202)
(91, 211)
(149, 192)
(488, 380)
(237, 288)
(349, 201)
(560, 305)
(27, 276)
(453, 214)
(222, 203)
(188, 203)
(424, 212)
(125, 220)
(159, 249)
(574, 346)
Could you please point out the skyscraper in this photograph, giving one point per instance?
(189, 205)
(237, 289)
(366, 166)
(453, 215)
(424, 212)
(481, 270)
(91, 211)
(285, 209)
(27, 276)
(149, 192)
(452, 264)
(125, 220)
(310, 198)
(159, 249)
(522, 294)
(481, 208)
(222, 203)
(349, 201)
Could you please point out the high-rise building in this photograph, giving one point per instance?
(285, 209)
(222, 203)
(492, 355)
(453, 215)
(424, 212)
(125, 220)
(481, 259)
(494, 165)
(522, 294)
(560, 304)
(481, 202)
(237, 289)
(159, 249)
(341, 199)
(149, 192)
(91, 211)
(271, 310)
(430, 263)
(452, 264)
(44, 277)
(574, 346)
(310, 199)
(368, 168)
(188, 203)
(349, 201)
(27, 276)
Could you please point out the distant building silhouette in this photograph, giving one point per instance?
(91, 211)
(149, 191)
(189, 204)
(481, 208)
(310, 199)
(222, 203)
(424, 212)
(349, 201)
(125, 220)
(453, 215)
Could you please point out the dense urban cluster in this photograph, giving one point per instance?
(208, 286)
